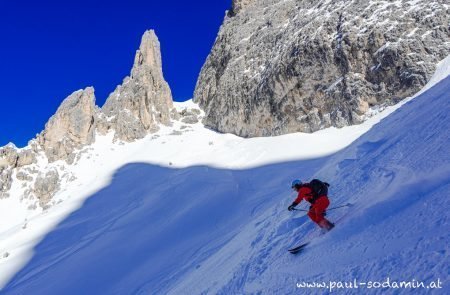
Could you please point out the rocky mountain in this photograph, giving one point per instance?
(282, 66)
(144, 100)
(277, 66)
(136, 108)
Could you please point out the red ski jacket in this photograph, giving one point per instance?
(304, 193)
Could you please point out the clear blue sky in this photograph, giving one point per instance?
(51, 48)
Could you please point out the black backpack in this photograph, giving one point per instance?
(318, 188)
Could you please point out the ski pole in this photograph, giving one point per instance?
(346, 205)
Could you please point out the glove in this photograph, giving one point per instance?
(291, 207)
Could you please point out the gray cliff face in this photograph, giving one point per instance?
(238, 5)
(287, 66)
(71, 127)
(144, 99)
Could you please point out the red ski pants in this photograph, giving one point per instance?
(318, 209)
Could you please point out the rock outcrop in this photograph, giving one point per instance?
(11, 158)
(287, 66)
(72, 126)
(23, 176)
(5, 181)
(144, 100)
(190, 116)
(46, 186)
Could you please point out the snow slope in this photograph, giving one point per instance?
(398, 177)
(21, 229)
(214, 219)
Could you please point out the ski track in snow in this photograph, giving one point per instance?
(214, 222)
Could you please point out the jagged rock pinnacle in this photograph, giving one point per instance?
(149, 53)
(144, 99)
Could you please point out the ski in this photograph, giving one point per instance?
(301, 247)
(298, 248)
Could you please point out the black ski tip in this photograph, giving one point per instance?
(296, 251)
(298, 248)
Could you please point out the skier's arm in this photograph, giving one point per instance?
(296, 202)
(300, 197)
(292, 206)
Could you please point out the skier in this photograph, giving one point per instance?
(316, 193)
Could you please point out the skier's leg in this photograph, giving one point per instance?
(320, 207)
(312, 214)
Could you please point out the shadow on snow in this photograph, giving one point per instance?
(150, 225)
